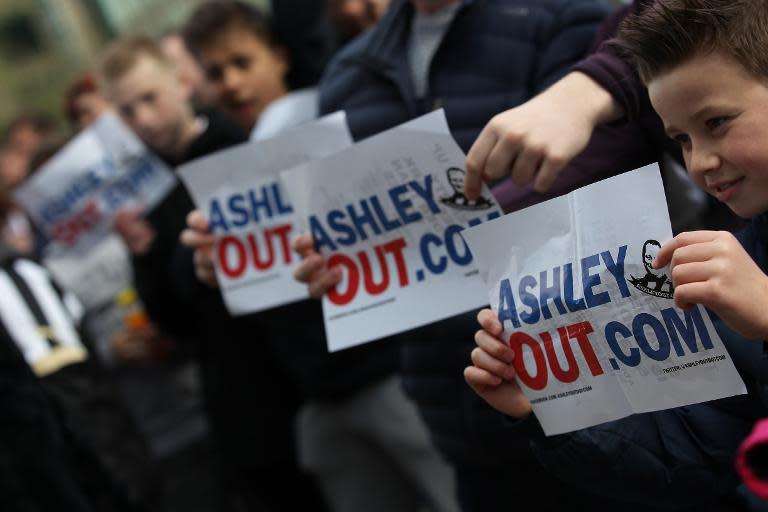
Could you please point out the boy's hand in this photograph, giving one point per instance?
(493, 376)
(198, 236)
(536, 140)
(311, 270)
(136, 232)
(713, 269)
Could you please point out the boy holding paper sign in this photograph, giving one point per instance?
(252, 425)
(707, 75)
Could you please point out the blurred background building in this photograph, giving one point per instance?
(45, 44)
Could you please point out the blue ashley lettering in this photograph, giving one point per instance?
(238, 210)
(367, 217)
(129, 185)
(562, 297)
(62, 204)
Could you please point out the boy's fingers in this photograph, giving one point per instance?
(501, 159)
(308, 267)
(196, 220)
(303, 244)
(687, 295)
(204, 270)
(548, 172)
(476, 161)
(319, 286)
(698, 252)
(525, 166)
(479, 379)
(489, 322)
(682, 240)
(494, 346)
(196, 239)
(482, 359)
(691, 273)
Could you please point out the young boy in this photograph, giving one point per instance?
(705, 67)
(252, 425)
(358, 434)
(233, 43)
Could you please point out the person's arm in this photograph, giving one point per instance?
(535, 141)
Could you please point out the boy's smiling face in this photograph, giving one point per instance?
(718, 112)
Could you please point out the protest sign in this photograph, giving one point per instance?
(389, 212)
(74, 196)
(594, 327)
(239, 192)
(96, 277)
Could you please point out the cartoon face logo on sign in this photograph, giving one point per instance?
(458, 200)
(655, 282)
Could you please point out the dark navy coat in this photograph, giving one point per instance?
(496, 55)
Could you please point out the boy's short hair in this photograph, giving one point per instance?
(211, 19)
(121, 56)
(667, 33)
(86, 84)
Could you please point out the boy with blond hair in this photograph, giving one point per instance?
(705, 63)
(251, 425)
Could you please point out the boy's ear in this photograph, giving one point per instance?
(284, 58)
(186, 87)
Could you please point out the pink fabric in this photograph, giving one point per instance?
(758, 438)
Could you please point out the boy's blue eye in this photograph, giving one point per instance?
(681, 139)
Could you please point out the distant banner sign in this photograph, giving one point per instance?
(239, 191)
(74, 196)
(594, 326)
(389, 212)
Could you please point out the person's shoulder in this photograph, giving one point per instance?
(353, 48)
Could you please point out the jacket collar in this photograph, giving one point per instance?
(387, 47)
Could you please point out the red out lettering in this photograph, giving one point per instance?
(394, 247)
(548, 358)
(233, 253)
(516, 342)
(68, 231)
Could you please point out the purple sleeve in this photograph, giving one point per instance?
(611, 71)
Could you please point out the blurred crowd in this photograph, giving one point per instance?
(125, 384)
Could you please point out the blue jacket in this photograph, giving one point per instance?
(679, 457)
(496, 55)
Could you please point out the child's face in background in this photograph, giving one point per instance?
(246, 74)
(153, 103)
(719, 114)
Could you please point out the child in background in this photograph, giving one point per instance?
(707, 75)
(382, 458)
(251, 424)
(233, 44)
(247, 69)
(84, 103)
